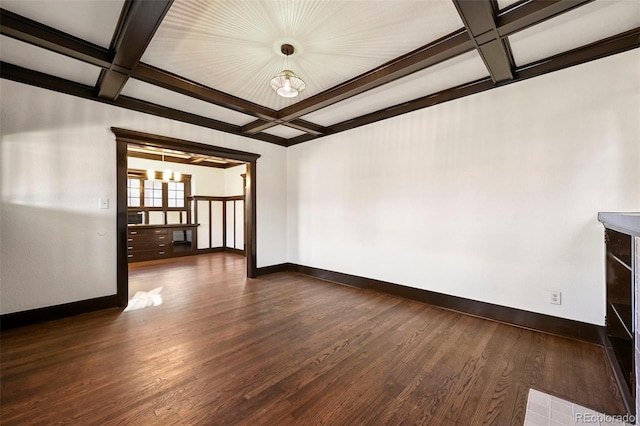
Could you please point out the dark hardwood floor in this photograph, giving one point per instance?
(285, 349)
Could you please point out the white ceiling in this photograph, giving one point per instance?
(459, 70)
(233, 46)
(91, 20)
(603, 18)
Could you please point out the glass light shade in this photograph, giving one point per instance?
(177, 176)
(151, 174)
(166, 175)
(287, 84)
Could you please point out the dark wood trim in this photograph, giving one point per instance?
(627, 399)
(250, 214)
(610, 46)
(433, 53)
(176, 83)
(49, 82)
(179, 160)
(210, 210)
(517, 317)
(618, 43)
(234, 250)
(491, 44)
(208, 198)
(32, 32)
(272, 269)
(148, 139)
(306, 126)
(479, 17)
(138, 23)
(224, 222)
(124, 137)
(210, 250)
(122, 274)
(526, 13)
(51, 313)
(420, 103)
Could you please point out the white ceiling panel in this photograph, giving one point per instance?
(157, 95)
(592, 22)
(504, 3)
(93, 20)
(234, 46)
(283, 131)
(460, 70)
(38, 59)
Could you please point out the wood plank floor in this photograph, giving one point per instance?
(285, 349)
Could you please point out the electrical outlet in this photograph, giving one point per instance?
(555, 297)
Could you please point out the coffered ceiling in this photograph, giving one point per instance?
(209, 62)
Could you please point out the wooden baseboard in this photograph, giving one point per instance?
(531, 320)
(265, 270)
(50, 313)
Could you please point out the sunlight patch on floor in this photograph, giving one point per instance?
(144, 299)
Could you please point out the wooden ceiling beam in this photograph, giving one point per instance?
(440, 50)
(619, 43)
(517, 17)
(526, 13)
(37, 34)
(167, 80)
(433, 53)
(138, 24)
(307, 127)
(479, 17)
(171, 159)
(46, 81)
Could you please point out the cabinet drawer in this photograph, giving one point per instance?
(146, 245)
(140, 255)
(147, 238)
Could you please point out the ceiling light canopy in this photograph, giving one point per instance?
(287, 84)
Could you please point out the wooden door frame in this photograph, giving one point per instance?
(124, 137)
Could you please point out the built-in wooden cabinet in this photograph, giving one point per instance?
(620, 301)
(148, 242)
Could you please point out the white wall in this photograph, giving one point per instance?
(492, 197)
(58, 159)
(233, 180)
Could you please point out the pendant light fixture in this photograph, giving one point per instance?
(167, 174)
(287, 84)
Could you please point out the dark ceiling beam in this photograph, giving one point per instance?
(46, 81)
(138, 24)
(307, 127)
(179, 160)
(440, 50)
(514, 18)
(32, 32)
(167, 80)
(259, 125)
(526, 13)
(479, 17)
(298, 124)
(619, 43)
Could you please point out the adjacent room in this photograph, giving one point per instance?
(319, 212)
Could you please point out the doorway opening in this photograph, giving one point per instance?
(160, 215)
